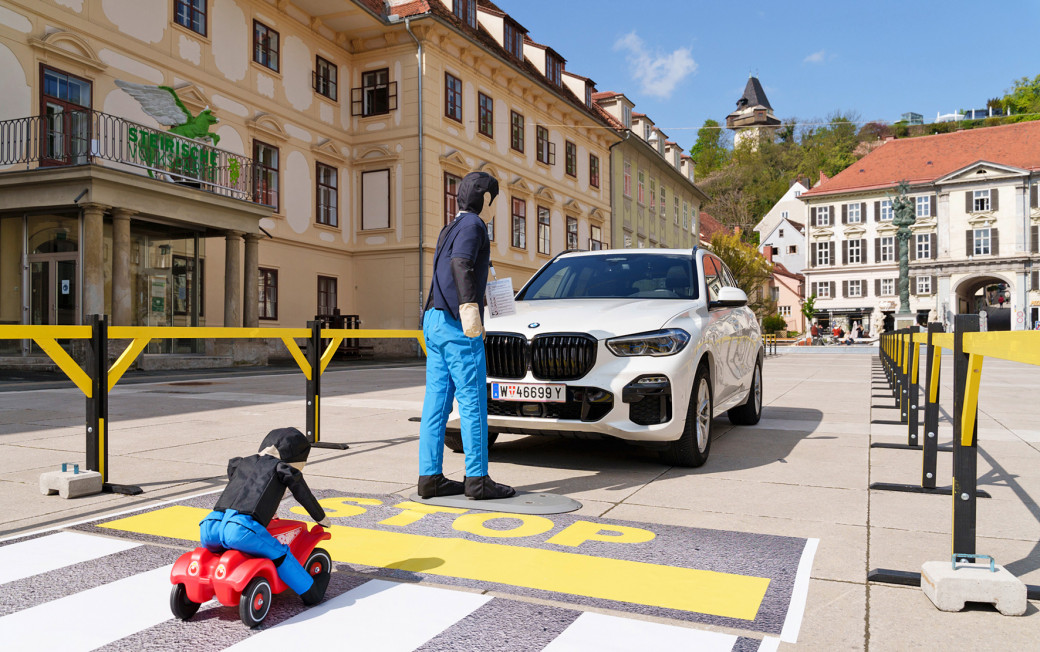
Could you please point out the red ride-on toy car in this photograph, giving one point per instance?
(235, 578)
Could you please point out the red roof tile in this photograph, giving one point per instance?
(924, 159)
(710, 226)
(778, 268)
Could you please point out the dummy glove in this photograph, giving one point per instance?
(469, 314)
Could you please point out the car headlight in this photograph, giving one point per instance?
(658, 343)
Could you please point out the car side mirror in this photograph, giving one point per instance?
(729, 297)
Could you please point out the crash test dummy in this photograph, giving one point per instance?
(454, 332)
(256, 484)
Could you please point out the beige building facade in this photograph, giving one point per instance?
(342, 127)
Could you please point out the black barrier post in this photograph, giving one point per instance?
(97, 407)
(897, 371)
(314, 350)
(904, 377)
(913, 366)
(931, 411)
(965, 458)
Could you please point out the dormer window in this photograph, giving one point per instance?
(646, 131)
(466, 10)
(514, 39)
(626, 116)
(588, 94)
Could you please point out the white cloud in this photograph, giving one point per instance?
(815, 57)
(658, 74)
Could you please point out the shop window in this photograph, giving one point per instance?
(184, 282)
(268, 293)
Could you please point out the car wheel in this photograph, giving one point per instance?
(255, 602)
(750, 412)
(453, 440)
(691, 449)
(181, 605)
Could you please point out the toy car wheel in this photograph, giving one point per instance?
(181, 605)
(319, 563)
(255, 602)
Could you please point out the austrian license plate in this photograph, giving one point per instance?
(529, 392)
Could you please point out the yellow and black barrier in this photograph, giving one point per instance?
(769, 340)
(97, 379)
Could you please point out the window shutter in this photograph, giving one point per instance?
(831, 243)
(1033, 200)
(913, 286)
(969, 242)
(933, 206)
(935, 289)
(812, 253)
(967, 202)
(1034, 233)
(935, 246)
(877, 211)
(994, 195)
(844, 288)
(994, 241)
(813, 288)
(1036, 280)
(844, 213)
(864, 287)
(812, 216)
(832, 288)
(877, 250)
(844, 252)
(877, 287)
(911, 246)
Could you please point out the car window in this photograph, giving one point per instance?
(614, 275)
(731, 281)
(713, 278)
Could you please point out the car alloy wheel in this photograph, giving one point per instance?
(703, 415)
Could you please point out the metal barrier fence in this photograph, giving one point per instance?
(769, 340)
(97, 379)
(900, 360)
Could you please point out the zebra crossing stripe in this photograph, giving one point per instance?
(92, 618)
(34, 556)
(593, 631)
(421, 612)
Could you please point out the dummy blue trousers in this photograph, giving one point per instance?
(455, 369)
(229, 530)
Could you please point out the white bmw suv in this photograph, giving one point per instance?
(645, 345)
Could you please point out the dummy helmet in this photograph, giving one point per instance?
(292, 445)
(471, 191)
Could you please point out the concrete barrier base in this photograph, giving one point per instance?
(69, 484)
(949, 588)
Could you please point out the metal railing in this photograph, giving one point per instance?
(91, 137)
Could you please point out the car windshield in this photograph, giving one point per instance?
(615, 275)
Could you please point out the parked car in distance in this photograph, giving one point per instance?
(642, 345)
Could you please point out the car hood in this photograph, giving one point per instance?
(601, 318)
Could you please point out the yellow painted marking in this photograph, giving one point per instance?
(971, 398)
(686, 589)
(297, 354)
(1016, 346)
(413, 512)
(125, 360)
(530, 525)
(582, 531)
(340, 507)
(67, 364)
(25, 332)
(101, 450)
(326, 357)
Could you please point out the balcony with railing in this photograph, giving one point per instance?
(89, 137)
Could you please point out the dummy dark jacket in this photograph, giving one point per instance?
(460, 265)
(256, 485)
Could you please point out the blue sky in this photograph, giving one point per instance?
(878, 59)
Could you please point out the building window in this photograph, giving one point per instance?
(661, 199)
(797, 193)
(783, 215)
(327, 295)
(675, 207)
(823, 216)
(596, 239)
(184, 283)
(486, 117)
(516, 137)
(466, 10)
(375, 199)
(924, 245)
(452, 97)
(66, 128)
(572, 233)
(265, 159)
(265, 46)
(924, 285)
(781, 233)
(685, 215)
(570, 158)
(855, 288)
(377, 95)
(325, 78)
(653, 195)
(646, 131)
(626, 116)
(888, 249)
(628, 179)
(190, 14)
(980, 201)
(593, 170)
(553, 68)
(853, 213)
(326, 196)
(546, 150)
(792, 249)
(628, 241)
(514, 39)
(823, 290)
(886, 210)
(519, 223)
(491, 229)
(268, 294)
(451, 193)
(823, 253)
(982, 242)
(855, 251)
(785, 311)
(924, 206)
(641, 187)
(543, 230)
(888, 287)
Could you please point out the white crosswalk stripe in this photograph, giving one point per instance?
(54, 551)
(592, 631)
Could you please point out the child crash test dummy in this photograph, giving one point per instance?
(256, 485)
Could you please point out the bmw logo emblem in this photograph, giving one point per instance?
(533, 324)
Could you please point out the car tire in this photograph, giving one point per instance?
(750, 412)
(692, 448)
(255, 602)
(181, 605)
(453, 440)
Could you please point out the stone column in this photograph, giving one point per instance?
(250, 288)
(121, 295)
(232, 279)
(93, 259)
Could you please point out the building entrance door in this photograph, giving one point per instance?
(53, 289)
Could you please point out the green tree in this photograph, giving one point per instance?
(774, 323)
(1023, 96)
(750, 269)
(809, 308)
(709, 153)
